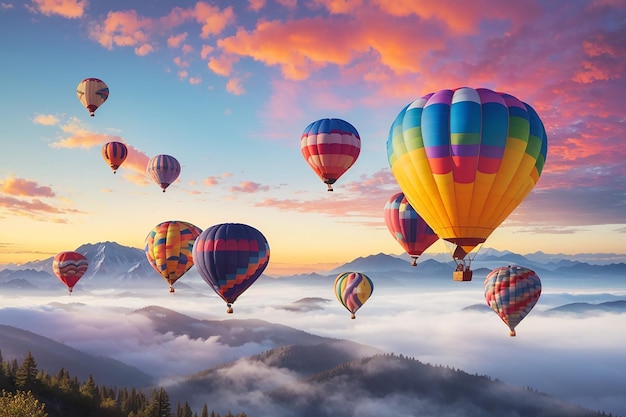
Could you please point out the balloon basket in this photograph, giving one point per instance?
(462, 275)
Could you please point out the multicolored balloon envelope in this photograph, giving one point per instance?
(512, 291)
(169, 248)
(92, 92)
(230, 257)
(330, 147)
(465, 159)
(352, 289)
(407, 227)
(163, 169)
(114, 153)
(69, 267)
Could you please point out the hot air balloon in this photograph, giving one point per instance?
(114, 153)
(69, 267)
(168, 249)
(230, 257)
(352, 289)
(163, 169)
(330, 147)
(407, 227)
(92, 92)
(465, 159)
(512, 291)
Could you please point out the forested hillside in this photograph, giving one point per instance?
(28, 392)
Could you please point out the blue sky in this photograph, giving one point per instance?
(228, 88)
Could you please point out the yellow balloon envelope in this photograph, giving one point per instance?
(465, 159)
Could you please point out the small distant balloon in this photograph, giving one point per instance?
(114, 153)
(408, 227)
(330, 147)
(512, 292)
(92, 93)
(230, 257)
(353, 289)
(163, 169)
(69, 267)
(168, 249)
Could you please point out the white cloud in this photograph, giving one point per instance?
(577, 359)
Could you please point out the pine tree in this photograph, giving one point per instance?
(26, 375)
(205, 411)
(159, 405)
(90, 390)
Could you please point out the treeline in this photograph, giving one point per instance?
(25, 391)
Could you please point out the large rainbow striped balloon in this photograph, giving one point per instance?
(465, 159)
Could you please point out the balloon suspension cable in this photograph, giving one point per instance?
(330, 187)
(353, 316)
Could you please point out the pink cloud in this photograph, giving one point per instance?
(256, 5)
(24, 187)
(234, 86)
(195, 80)
(205, 51)
(175, 41)
(222, 65)
(71, 9)
(249, 187)
(180, 62)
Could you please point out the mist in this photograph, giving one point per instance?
(578, 359)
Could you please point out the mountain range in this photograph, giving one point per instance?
(115, 265)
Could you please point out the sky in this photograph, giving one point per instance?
(229, 87)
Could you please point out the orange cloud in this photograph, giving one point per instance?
(45, 119)
(301, 47)
(79, 137)
(123, 28)
(24, 187)
(195, 80)
(72, 9)
(212, 19)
